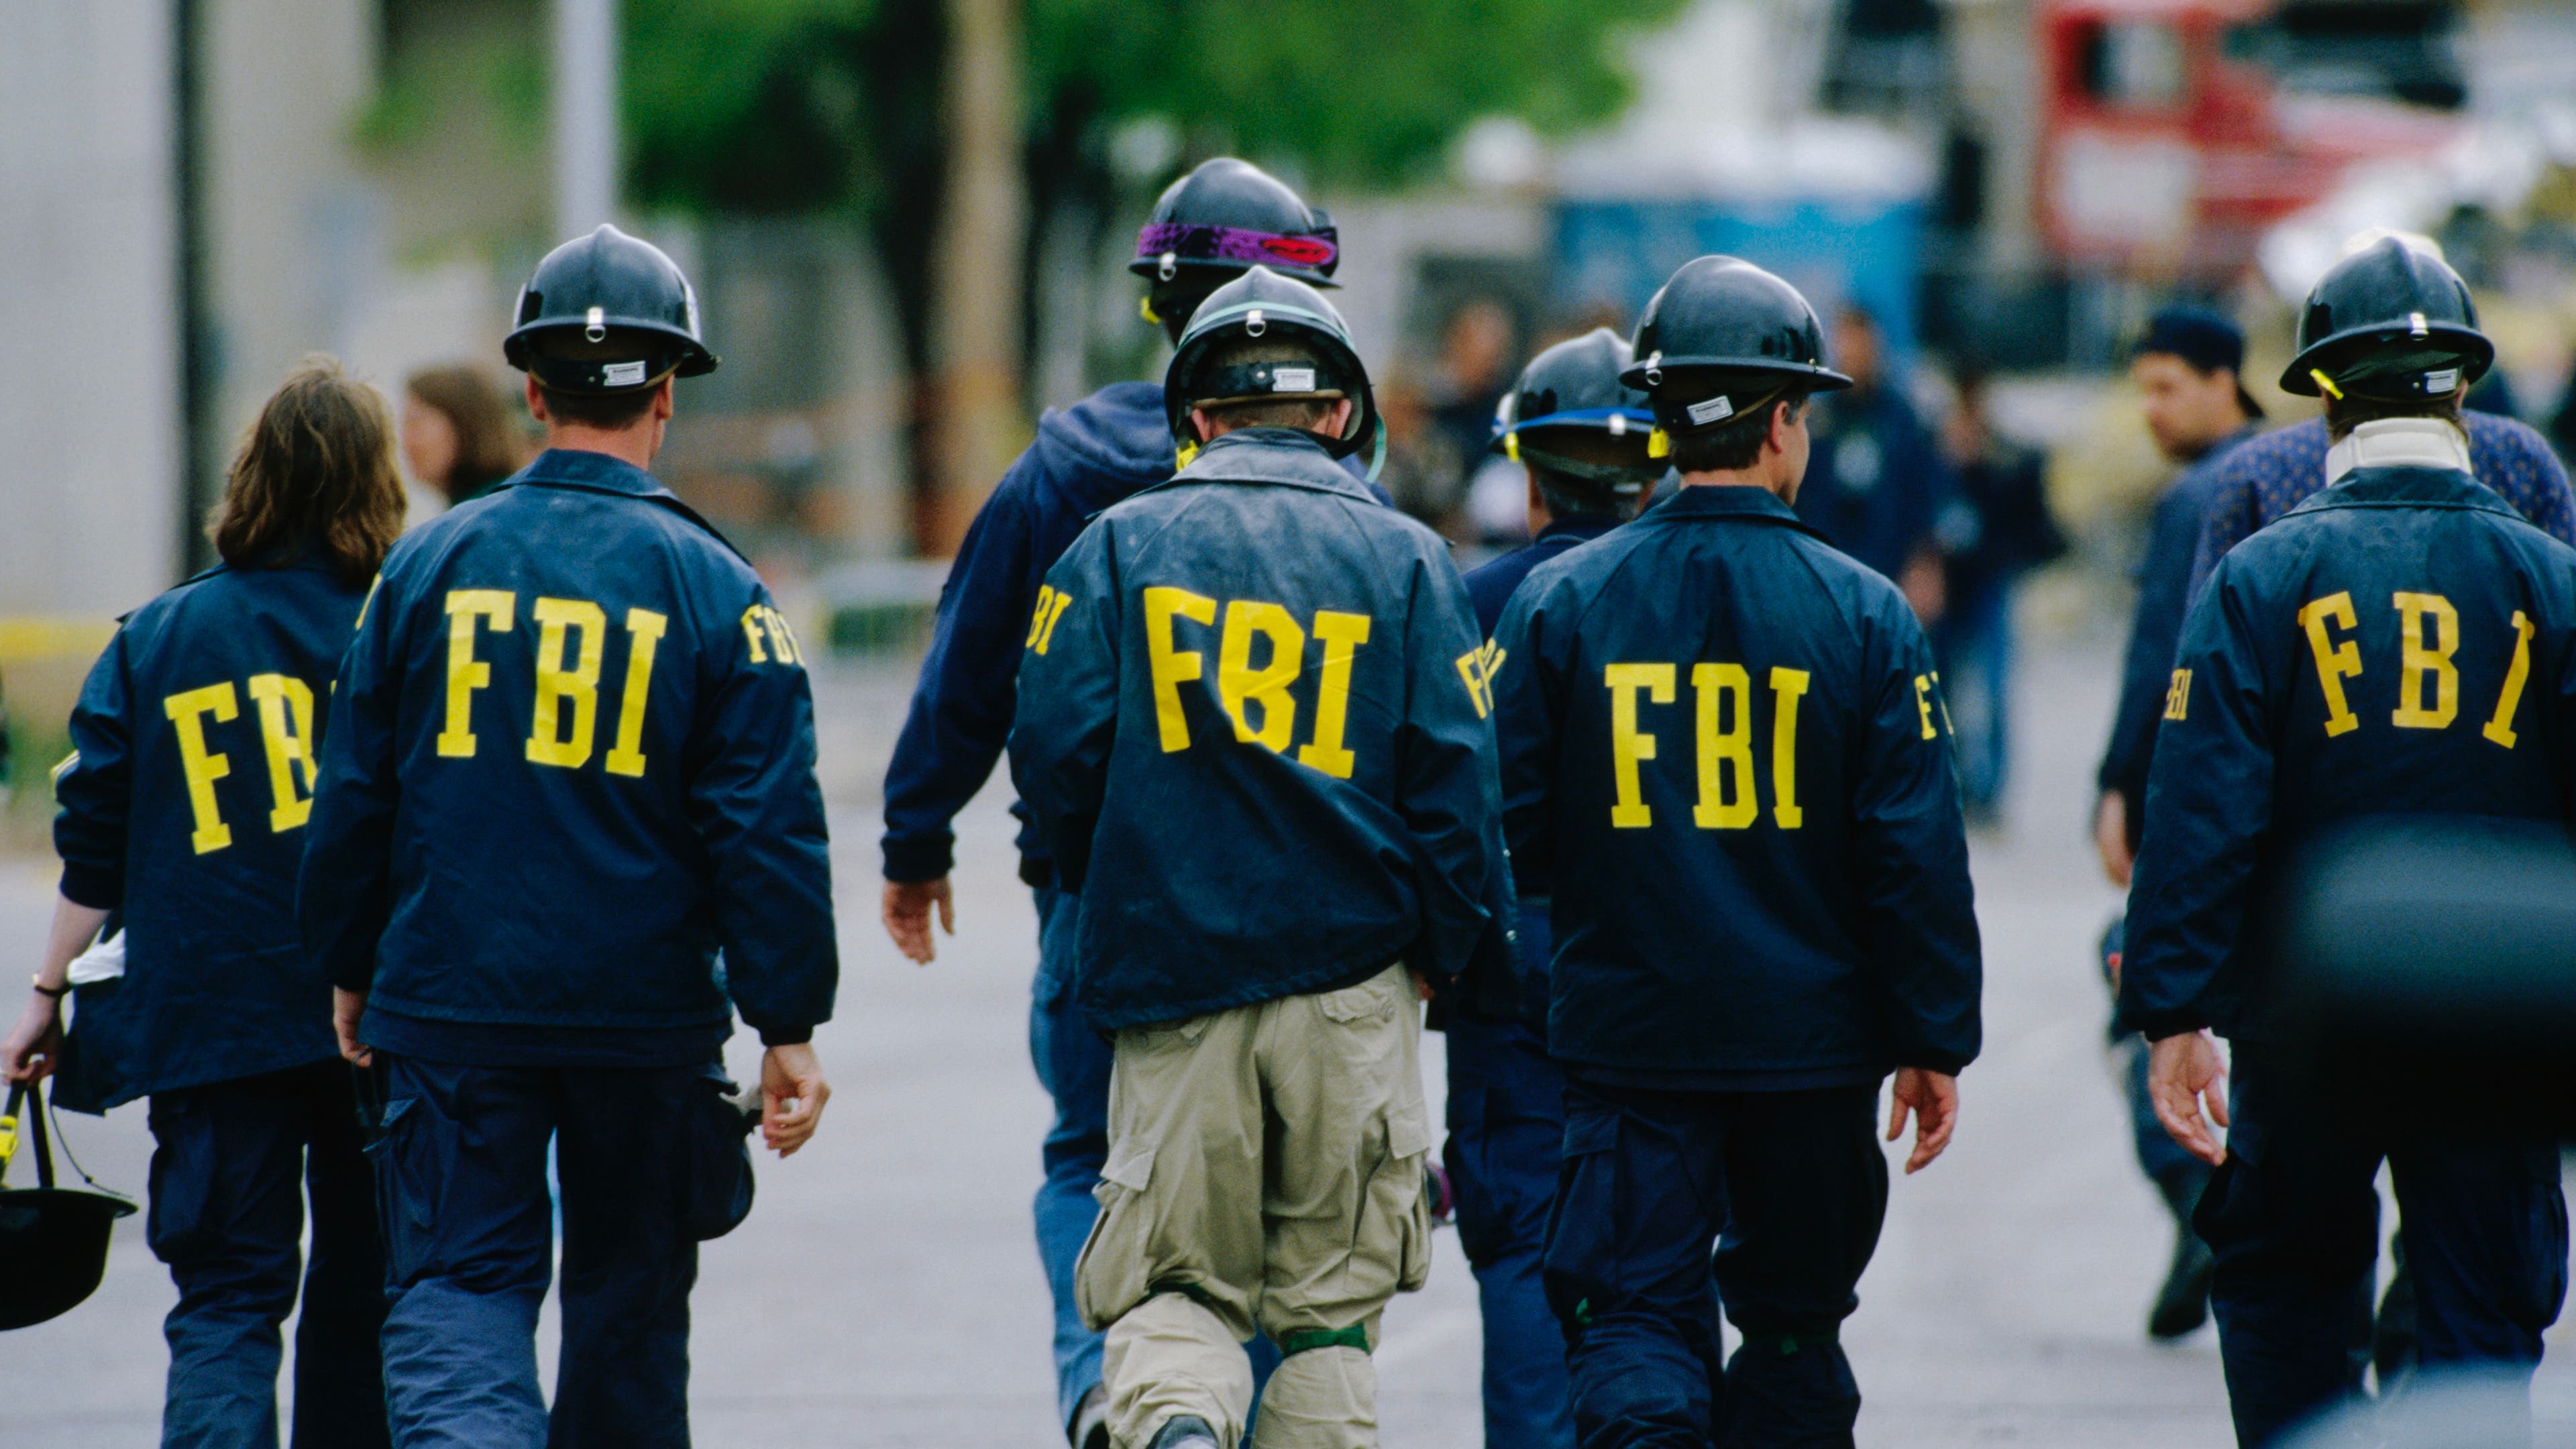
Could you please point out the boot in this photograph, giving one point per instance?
(2182, 1304)
(1184, 1431)
(1090, 1426)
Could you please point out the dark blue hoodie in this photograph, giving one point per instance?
(1086, 457)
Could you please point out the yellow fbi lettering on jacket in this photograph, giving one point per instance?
(282, 710)
(569, 660)
(2428, 675)
(1260, 663)
(1722, 708)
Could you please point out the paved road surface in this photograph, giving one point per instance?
(886, 1291)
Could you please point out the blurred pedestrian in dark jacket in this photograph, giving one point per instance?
(459, 434)
(1878, 482)
(1996, 529)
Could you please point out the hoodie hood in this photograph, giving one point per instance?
(1106, 446)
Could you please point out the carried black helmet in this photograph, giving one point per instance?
(1228, 215)
(1721, 337)
(53, 1240)
(1574, 388)
(607, 313)
(1317, 360)
(2391, 322)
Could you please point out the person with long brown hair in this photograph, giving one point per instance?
(457, 432)
(183, 812)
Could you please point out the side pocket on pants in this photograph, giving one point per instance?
(1582, 1257)
(403, 1213)
(1408, 1140)
(718, 1186)
(1109, 1276)
(182, 1217)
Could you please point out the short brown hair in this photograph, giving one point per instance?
(1736, 444)
(2347, 413)
(604, 410)
(487, 437)
(316, 470)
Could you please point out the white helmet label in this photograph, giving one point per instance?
(1293, 379)
(1715, 409)
(622, 374)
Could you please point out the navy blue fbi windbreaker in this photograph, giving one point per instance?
(571, 756)
(187, 805)
(1725, 747)
(2402, 643)
(1252, 734)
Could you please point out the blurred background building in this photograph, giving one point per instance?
(909, 220)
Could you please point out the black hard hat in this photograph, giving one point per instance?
(2391, 322)
(1721, 335)
(1575, 386)
(607, 313)
(1262, 303)
(1228, 215)
(53, 1241)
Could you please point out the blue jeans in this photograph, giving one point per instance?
(469, 1236)
(1977, 638)
(2294, 1221)
(232, 1164)
(1506, 1138)
(1072, 1061)
(1795, 1183)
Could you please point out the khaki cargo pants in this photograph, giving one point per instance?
(1265, 1170)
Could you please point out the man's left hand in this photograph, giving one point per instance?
(346, 1007)
(1933, 1098)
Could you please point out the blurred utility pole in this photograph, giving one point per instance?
(585, 101)
(976, 426)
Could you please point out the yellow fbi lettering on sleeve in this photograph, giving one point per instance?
(1051, 606)
(1261, 659)
(2178, 695)
(1479, 666)
(762, 623)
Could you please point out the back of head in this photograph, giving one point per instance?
(1582, 433)
(1717, 347)
(1224, 218)
(1268, 350)
(604, 320)
(2389, 331)
(315, 471)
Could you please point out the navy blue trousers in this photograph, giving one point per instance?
(2294, 1221)
(469, 1236)
(232, 1166)
(1795, 1183)
(1506, 1139)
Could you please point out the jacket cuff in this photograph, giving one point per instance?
(354, 974)
(913, 861)
(1948, 1064)
(2155, 1026)
(101, 888)
(780, 1036)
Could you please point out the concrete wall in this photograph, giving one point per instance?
(89, 373)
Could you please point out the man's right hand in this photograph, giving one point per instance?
(2184, 1079)
(2111, 837)
(35, 1043)
(907, 915)
(792, 1094)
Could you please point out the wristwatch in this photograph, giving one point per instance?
(56, 992)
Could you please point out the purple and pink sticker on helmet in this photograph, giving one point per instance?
(1312, 251)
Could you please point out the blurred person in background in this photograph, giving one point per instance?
(1474, 369)
(2187, 370)
(2274, 473)
(1878, 482)
(1207, 229)
(460, 432)
(1996, 529)
(2397, 646)
(565, 828)
(183, 808)
(1582, 438)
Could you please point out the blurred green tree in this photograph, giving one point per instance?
(800, 106)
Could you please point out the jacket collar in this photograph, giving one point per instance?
(595, 472)
(1577, 528)
(2399, 443)
(2407, 487)
(1741, 502)
(1271, 455)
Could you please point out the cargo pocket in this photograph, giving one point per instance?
(404, 1184)
(1109, 1276)
(1408, 1141)
(1372, 1000)
(716, 1190)
(1581, 1260)
(181, 1222)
